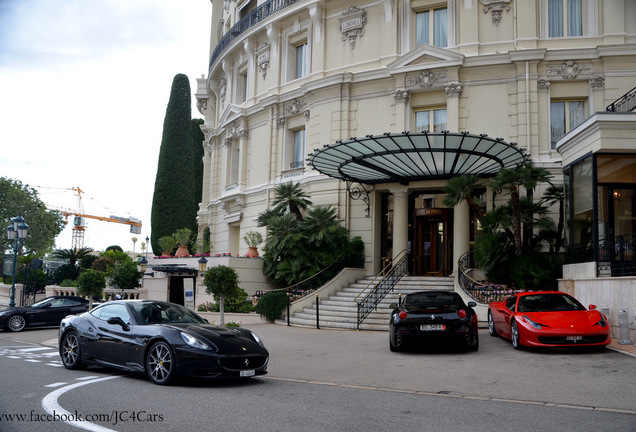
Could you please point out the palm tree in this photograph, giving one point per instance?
(552, 195)
(72, 255)
(290, 196)
(462, 188)
(511, 180)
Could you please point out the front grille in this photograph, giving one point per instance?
(239, 363)
(562, 340)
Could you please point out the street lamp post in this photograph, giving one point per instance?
(16, 232)
(147, 246)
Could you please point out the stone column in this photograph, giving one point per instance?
(461, 232)
(400, 221)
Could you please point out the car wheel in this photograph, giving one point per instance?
(16, 323)
(398, 346)
(514, 335)
(70, 351)
(160, 364)
(491, 324)
(472, 340)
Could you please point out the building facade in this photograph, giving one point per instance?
(293, 86)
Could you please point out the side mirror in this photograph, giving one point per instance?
(118, 321)
(393, 306)
(472, 304)
(592, 307)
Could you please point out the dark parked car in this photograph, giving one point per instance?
(46, 312)
(433, 315)
(163, 340)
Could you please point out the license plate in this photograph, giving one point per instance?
(247, 373)
(574, 338)
(432, 327)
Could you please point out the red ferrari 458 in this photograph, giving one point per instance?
(547, 318)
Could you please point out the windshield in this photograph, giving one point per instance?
(42, 302)
(165, 313)
(432, 299)
(548, 303)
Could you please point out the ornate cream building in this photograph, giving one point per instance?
(291, 84)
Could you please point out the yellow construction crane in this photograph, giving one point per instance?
(79, 220)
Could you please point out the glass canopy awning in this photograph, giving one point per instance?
(404, 157)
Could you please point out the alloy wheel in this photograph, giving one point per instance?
(160, 363)
(16, 323)
(70, 351)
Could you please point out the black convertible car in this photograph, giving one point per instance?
(46, 312)
(164, 340)
(433, 315)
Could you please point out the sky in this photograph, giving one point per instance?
(84, 87)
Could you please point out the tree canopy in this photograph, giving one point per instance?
(44, 225)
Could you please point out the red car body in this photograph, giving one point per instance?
(547, 319)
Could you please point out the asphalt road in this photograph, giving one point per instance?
(330, 380)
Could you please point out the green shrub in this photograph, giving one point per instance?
(67, 283)
(271, 305)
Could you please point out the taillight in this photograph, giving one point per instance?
(402, 314)
(462, 313)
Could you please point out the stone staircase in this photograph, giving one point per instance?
(340, 310)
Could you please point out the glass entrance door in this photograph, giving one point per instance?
(431, 247)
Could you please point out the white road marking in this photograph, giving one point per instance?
(50, 405)
(33, 361)
(34, 349)
(57, 384)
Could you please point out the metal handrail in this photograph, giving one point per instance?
(625, 103)
(481, 292)
(385, 270)
(394, 272)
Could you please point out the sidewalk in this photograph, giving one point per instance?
(628, 349)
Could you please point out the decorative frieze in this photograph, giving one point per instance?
(352, 22)
(237, 130)
(568, 70)
(496, 7)
(425, 79)
(222, 90)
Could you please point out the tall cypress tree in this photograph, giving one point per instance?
(174, 193)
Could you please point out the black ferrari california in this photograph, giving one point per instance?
(46, 312)
(425, 316)
(163, 340)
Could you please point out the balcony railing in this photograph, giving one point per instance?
(625, 103)
(254, 17)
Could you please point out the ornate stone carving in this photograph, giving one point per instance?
(280, 122)
(453, 89)
(307, 114)
(425, 79)
(597, 82)
(352, 22)
(262, 58)
(568, 70)
(202, 106)
(237, 130)
(294, 107)
(496, 7)
(400, 95)
(543, 85)
(222, 89)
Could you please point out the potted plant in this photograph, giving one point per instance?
(167, 245)
(253, 239)
(182, 237)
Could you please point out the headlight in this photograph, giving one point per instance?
(194, 342)
(257, 339)
(602, 321)
(532, 323)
